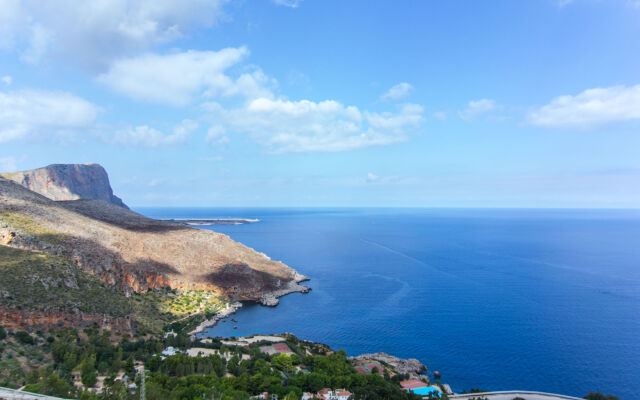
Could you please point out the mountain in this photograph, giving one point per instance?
(125, 251)
(68, 182)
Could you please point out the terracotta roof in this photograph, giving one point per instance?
(412, 384)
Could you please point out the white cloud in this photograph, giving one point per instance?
(397, 92)
(371, 177)
(478, 107)
(175, 79)
(217, 135)
(589, 109)
(95, 32)
(306, 126)
(7, 80)
(29, 113)
(146, 136)
(288, 3)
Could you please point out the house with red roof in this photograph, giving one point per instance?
(411, 384)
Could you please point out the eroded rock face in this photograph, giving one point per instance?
(68, 182)
(36, 319)
(134, 253)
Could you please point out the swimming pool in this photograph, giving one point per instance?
(424, 391)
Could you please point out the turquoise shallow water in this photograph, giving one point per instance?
(543, 300)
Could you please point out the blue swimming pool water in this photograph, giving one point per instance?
(425, 391)
(543, 300)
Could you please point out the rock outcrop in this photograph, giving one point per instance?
(68, 182)
(133, 253)
(410, 366)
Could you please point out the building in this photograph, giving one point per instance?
(419, 387)
(338, 394)
(169, 351)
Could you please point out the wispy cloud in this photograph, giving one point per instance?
(7, 80)
(145, 136)
(476, 108)
(288, 3)
(397, 92)
(589, 109)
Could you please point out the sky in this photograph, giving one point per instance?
(312, 103)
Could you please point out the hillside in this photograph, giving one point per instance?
(130, 253)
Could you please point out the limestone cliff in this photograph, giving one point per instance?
(68, 182)
(133, 253)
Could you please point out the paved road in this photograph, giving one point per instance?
(510, 395)
(11, 394)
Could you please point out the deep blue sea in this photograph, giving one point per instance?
(543, 300)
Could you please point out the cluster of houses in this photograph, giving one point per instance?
(324, 394)
(328, 394)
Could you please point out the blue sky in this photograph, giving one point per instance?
(329, 103)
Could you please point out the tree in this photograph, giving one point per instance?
(3, 333)
(600, 396)
(89, 371)
(129, 366)
(282, 362)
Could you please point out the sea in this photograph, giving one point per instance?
(496, 299)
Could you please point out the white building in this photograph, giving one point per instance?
(169, 351)
(338, 394)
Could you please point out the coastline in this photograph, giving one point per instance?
(268, 300)
(210, 221)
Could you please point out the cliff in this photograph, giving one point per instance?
(132, 253)
(68, 182)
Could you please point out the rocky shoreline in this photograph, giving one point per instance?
(268, 299)
(411, 366)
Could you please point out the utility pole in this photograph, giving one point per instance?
(143, 387)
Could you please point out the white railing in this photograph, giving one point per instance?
(514, 393)
(6, 393)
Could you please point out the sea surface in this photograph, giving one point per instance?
(544, 300)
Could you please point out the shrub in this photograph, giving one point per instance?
(23, 337)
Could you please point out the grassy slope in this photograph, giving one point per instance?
(38, 281)
(26, 224)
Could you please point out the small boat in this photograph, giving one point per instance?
(234, 320)
(235, 327)
(437, 374)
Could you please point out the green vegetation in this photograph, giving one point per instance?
(26, 224)
(79, 363)
(600, 396)
(36, 282)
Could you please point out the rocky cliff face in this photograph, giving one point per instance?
(68, 182)
(135, 253)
